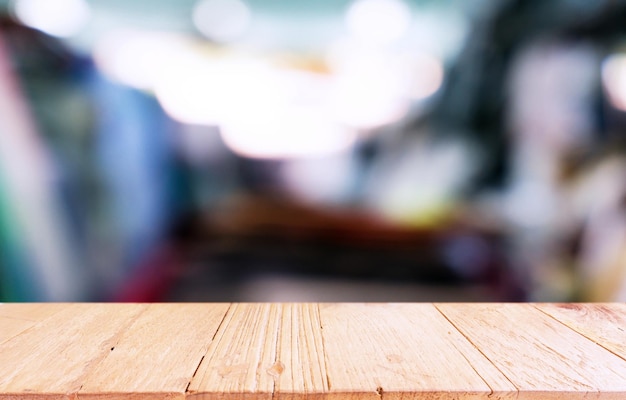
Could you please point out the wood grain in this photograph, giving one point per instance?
(242, 360)
(543, 358)
(284, 359)
(17, 318)
(158, 354)
(31, 311)
(10, 327)
(51, 359)
(604, 324)
(403, 351)
(300, 369)
(312, 351)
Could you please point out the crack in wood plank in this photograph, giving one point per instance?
(230, 306)
(321, 324)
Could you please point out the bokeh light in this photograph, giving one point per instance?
(614, 79)
(378, 21)
(61, 18)
(222, 20)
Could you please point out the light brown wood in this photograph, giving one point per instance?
(282, 359)
(300, 369)
(604, 324)
(542, 357)
(242, 359)
(17, 318)
(403, 350)
(52, 359)
(31, 311)
(10, 327)
(312, 351)
(158, 354)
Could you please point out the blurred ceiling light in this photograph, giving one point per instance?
(379, 21)
(222, 20)
(256, 106)
(285, 132)
(138, 58)
(614, 79)
(62, 18)
(369, 87)
(367, 106)
(201, 91)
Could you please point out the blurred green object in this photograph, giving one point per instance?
(14, 284)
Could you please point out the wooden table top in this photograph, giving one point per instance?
(313, 351)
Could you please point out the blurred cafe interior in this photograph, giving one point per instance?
(327, 150)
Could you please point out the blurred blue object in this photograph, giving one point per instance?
(133, 153)
(101, 184)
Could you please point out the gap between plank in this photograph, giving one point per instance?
(480, 351)
(194, 373)
(319, 318)
(230, 306)
(580, 333)
(219, 326)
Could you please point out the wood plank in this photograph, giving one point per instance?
(10, 327)
(605, 324)
(51, 359)
(242, 360)
(17, 318)
(312, 351)
(158, 355)
(541, 356)
(30, 311)
(300, 370)
(284, 361)
(403, 351)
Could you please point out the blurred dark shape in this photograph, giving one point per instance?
(253, 237)
(474, 100)
(478, 106)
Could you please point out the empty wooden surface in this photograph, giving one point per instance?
(313, 351)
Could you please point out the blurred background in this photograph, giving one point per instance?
(328, 150)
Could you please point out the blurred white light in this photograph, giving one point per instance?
(373, 87)
(63, 18)
(614, 79)
(255, 105)
(138, 58)
(428, 76)
(421, 179)
(285, 132)
(221, 20)
(323, 180)
(379, 21)
(532, 205)
(197, 90)
(362, 102)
